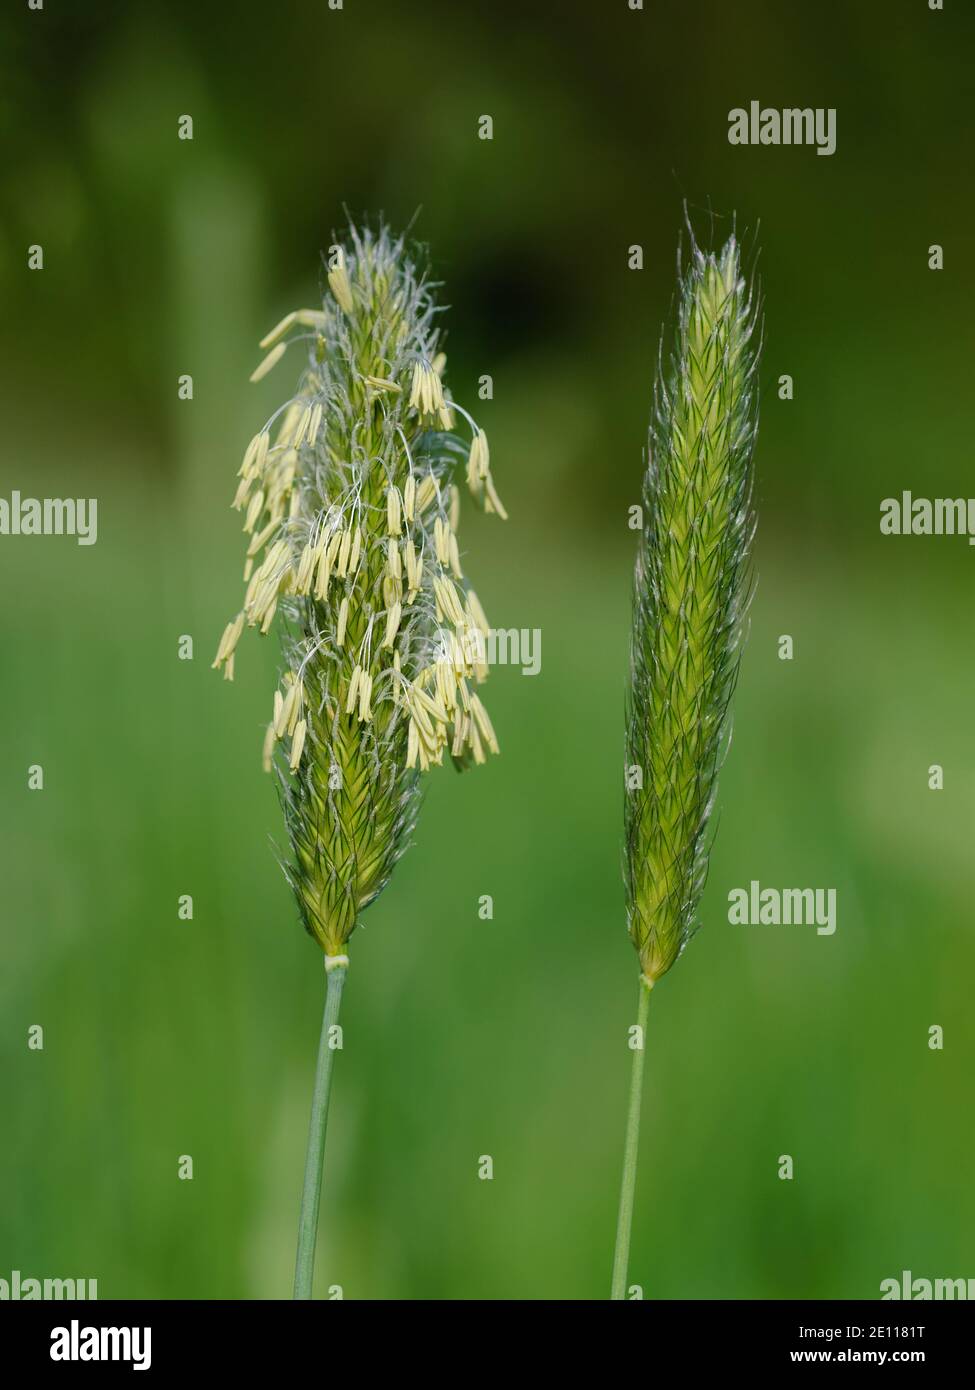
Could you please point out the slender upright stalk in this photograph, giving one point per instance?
(631, 1147)
(311, 1194)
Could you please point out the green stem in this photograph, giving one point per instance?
(314, 1162)
(625, 1221)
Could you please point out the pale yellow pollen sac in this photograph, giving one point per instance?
(340, 285)
(229, 640)
(228, 668)
(355, 550)
(477, 613)
(259, 541)
(439, 363)
(267, 752)
(447, 685)
(254, 510)
(240, 496)
(427, 703)
(393, 563)
(279, 552)
(263, 449)
(258, 595)
(445, 416)
(409, 497)
(492, 502)
(303, 425)
(268, 582)
(393, 522)
(342, 568)
(309, 318)
(484, 724)
(426, 492)
(420, 717)
(314, 424)
(475, 653)
(461, 722)
(323, 573)
(365, 696)
(381, 383)
(297, 744)
(479, 459)
(293, 705)
(414, 570)
(273, 357)
(254, 588)
(448, 600)
(282, 711)
(269, 618)
(306, 565)
(392, 591)
(476, 745)
(342, 620)
(454, 507)
(460, 653)
(441, 540)
(408, 553)
(246, 469)
(455, 558)
(353, 694)
(334, 546)
(426, 394)
(392, 624)
(255, 456)
(426, 746)
(289, 423)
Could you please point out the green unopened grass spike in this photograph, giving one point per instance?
(690, 595)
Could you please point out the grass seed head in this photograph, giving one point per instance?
(348, 499)
(689, 599)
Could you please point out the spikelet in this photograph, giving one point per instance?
(352, 512)
(689, 599)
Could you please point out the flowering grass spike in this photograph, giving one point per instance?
(352, 513)
(689, 600)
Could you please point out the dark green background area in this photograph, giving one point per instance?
(466, 1037)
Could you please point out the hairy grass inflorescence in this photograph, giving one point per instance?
(352, 510)
(689, 600)
(353, 516)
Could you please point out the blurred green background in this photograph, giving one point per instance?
(165, 1037)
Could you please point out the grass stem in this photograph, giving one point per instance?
(632, 1144)
(315, 1159)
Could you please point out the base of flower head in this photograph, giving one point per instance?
(336, 963)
